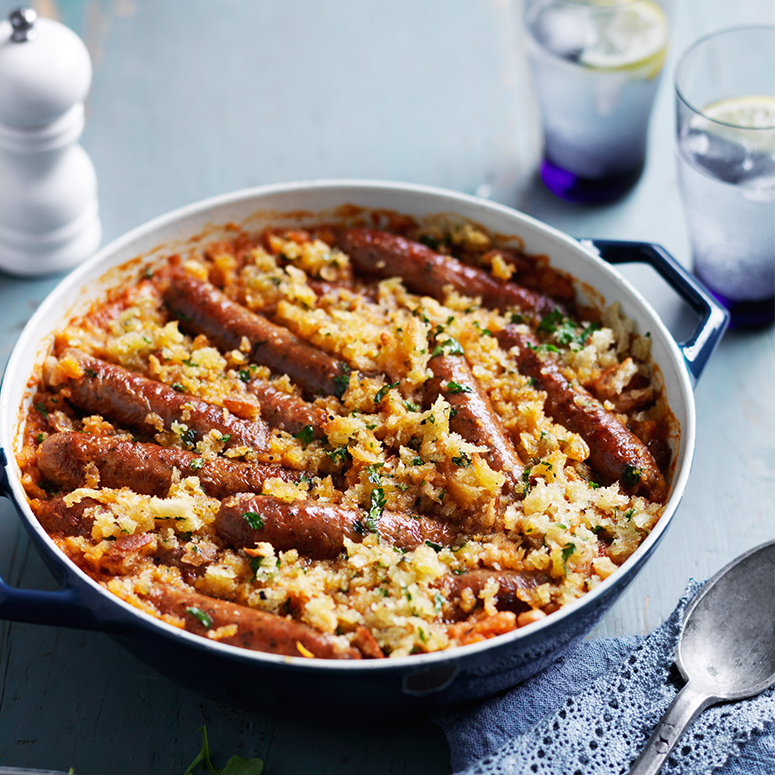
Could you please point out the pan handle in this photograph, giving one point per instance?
(66, 607)
(713, 317)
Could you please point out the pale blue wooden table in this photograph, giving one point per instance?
(193, 98)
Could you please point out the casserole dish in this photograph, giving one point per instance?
(419, 683)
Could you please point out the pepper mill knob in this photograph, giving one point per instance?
(48, 187)
(23, 23)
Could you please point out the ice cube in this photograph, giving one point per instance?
(565, 31)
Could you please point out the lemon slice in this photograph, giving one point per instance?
(756, 111)
(630, 37)
(748, 121)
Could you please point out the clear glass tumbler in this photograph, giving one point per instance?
(725, 102)
(596, 66)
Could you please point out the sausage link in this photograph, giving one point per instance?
(318, 530)
(57, 517)
(65, 458)
(474, 419)
(127, 399)
(202, 308)
(616, 454)
(427, 272)
(510, 584)
(288, 412)
(256, 630)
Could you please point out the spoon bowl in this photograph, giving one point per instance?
(726, 649)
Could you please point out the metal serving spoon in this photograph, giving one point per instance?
(726, 650)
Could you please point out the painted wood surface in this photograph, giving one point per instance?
(193, 98)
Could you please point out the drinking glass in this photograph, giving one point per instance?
(725, 103)
(596, 66)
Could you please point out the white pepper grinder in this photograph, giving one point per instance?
(49, 218)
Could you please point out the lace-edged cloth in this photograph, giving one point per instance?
(592, 712)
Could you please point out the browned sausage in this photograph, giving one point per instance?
(202, 308)
(510, 583)
(128, 399)
(288, 412)
(256, 630)
(57, 517)
(616, 454)
(474, 418)
(427, 272)
(318, 530)
(64, 459)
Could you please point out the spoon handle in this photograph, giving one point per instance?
(686, 706)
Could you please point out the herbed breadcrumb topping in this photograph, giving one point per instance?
(381, 448)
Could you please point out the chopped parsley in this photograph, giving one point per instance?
(203, 617)
(436, 547)
(383, 391)
(526, 486)
(177, 386)
(372, 473)
(411, 406)
(450, 346)
(550, 322)
(338, 455)
(90, 373)
(305, 435)
(196, 464)
(567, 551)
(224, 438)
(462, 460)
(255, 521)
(377, 503)
(244, 375)
(631, 476)
(456, 387)
(342, 381)
(189, 437)
(41, 408)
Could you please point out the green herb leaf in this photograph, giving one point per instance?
(306, 434)
(254, 520)
(631, 476)
(526, 486)
(342, 381)
(462, 460)
(377, 503)
(450, 346)
(196, 464)
(456, 387)
(203, 617)
(189, 437)
(338, 455)
(90, 373)
(177, 386)
(549, 323)
(40, 407)
(383, 391)
(244, 375)
(41, 437)
(372, 473)
(224, 439)
(235, 766)
(411, 406)
(567, 551)
(436, 547)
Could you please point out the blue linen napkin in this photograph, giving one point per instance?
(592, 712)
